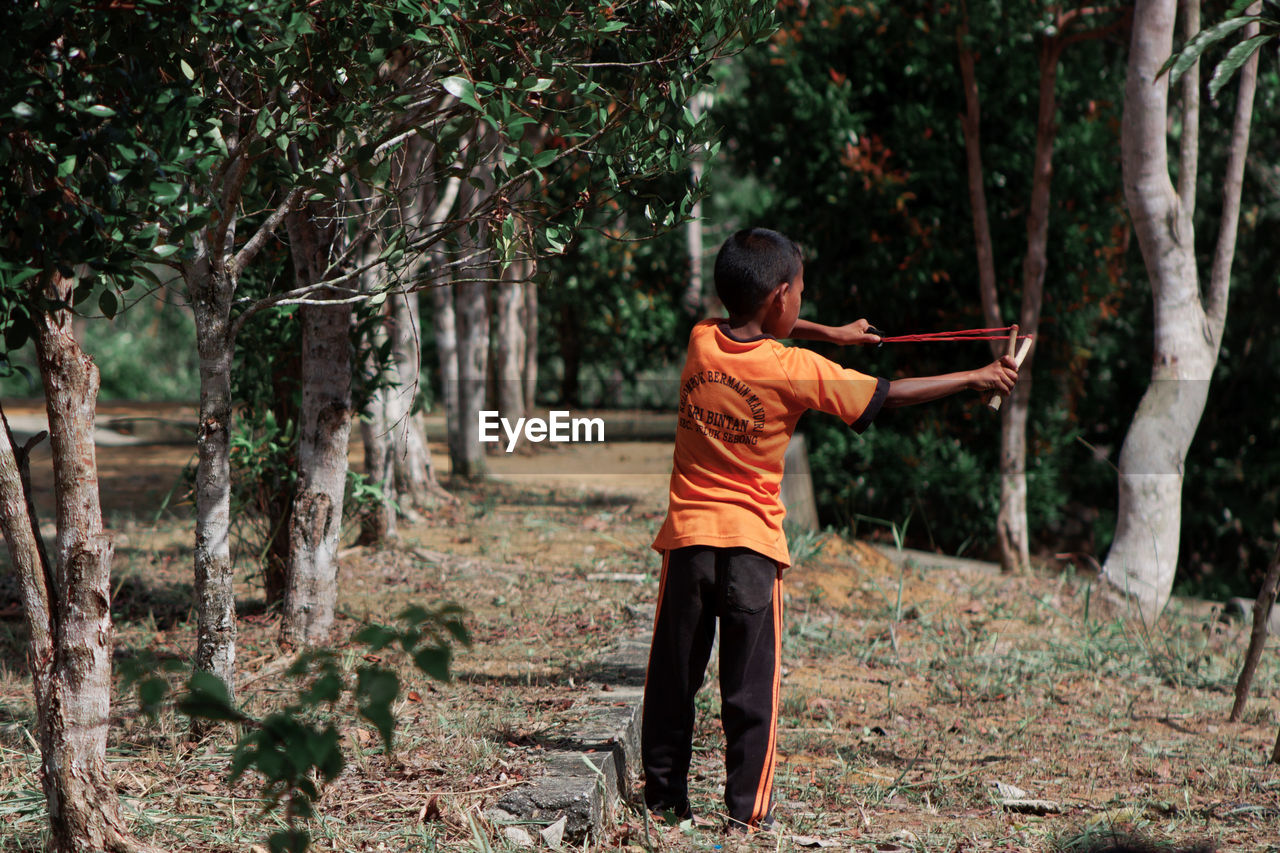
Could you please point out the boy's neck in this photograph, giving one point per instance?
(745, 328)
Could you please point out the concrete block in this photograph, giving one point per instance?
(597, 763)
(797, 485)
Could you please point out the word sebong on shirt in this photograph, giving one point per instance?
(559, 426)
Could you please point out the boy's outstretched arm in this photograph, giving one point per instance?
(846, 335)
(997, 376)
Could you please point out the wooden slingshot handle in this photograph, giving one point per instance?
(998, 398)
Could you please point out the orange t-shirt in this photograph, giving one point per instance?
(739, 403)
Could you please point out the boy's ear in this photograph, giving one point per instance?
(775, 295)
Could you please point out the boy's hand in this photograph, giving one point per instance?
(857, 333)
(1000, 375)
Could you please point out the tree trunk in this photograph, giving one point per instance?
(1257, 636)
(415, 471)
(971, 126)
(378, 522)
(324, 428)
(530, 341)
(1014, 534)
(1011, 519)
(67, 600)
(511, 348)
(210, 279)
(211, 291)
(445, 320)
(472, 316)
(424, 204)
(1144, 555)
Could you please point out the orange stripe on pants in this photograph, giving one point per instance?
(764, 795)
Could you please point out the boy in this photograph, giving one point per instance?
(724, 552)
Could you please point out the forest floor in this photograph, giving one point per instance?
(923, 709)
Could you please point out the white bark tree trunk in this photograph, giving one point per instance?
(415, 471)
(471, 316)
(471, 313)
(445, 320)
(378, 522)
(324, 431)
(511, 347)
(1013, 530)
(211, 290)
(1143, 558)
(67, 600)
(530, 316)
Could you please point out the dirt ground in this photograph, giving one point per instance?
(940, 709)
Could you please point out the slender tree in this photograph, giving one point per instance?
(67, 598)
(90, 130)
(1188, 319)
(1062, 28)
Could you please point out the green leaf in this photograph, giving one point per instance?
(544, 158)
(163, 193)
(1200, 42)
(21, 276)
(100, 110)
(289, 841)
(23, 110)
(462, 89)
(326, 688)
(1231, 63)
(414, 614)
(378, 689)
(458, 630)
(541, 84)
(151, 694)
(326, 754)
(67, 166)
(187, 70)
(376, 637)
(109, 304)
(207, 698)
(164, 250)
(434, 661)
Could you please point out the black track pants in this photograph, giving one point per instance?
(744, 590)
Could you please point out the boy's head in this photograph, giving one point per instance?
(750, 266)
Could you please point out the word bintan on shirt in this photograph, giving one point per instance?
(558, 427)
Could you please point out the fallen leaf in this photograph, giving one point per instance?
(1010, 792)
(554, 834)
(430, 810)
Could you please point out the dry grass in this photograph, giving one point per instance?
(907, 696)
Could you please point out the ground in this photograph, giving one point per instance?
(924, 707)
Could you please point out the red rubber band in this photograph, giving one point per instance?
(957, 335)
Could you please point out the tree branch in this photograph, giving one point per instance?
(250, 249)
(971, 123)
(26, 549)
(231, 191)
(1232, 183)
(1189, 145)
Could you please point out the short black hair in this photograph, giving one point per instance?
(750, 265)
